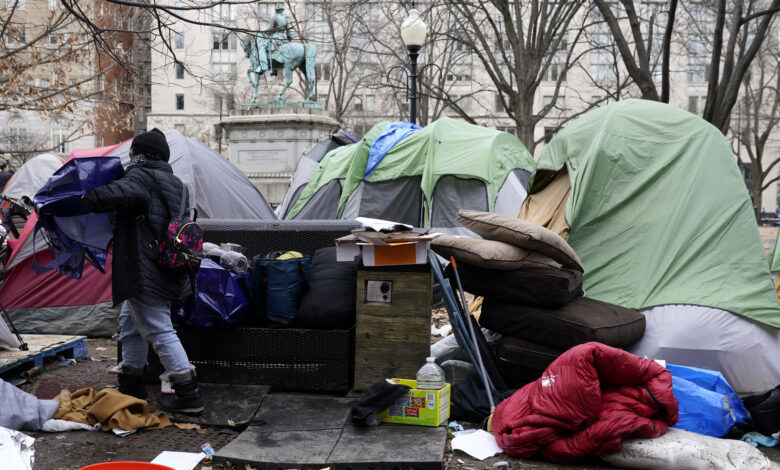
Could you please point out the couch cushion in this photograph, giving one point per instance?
(520, 233)
(491, 254)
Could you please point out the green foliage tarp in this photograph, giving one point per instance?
(659, 213)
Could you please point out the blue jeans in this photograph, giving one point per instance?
(149, 321)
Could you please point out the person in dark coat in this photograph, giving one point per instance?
(5, 175)
(147, 290)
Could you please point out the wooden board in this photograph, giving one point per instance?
(39, 348)
(392, 339)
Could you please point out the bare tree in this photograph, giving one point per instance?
(736, 34)
(519, 45)
(756, 123)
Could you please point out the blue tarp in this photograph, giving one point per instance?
(391, 135)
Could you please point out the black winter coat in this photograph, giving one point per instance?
(141, 220)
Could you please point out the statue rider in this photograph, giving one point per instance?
(280, 28)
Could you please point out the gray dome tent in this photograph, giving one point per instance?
(218, 189)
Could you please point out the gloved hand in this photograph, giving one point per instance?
(66, 207)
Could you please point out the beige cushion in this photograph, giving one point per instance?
(490, 254)
(520, 233)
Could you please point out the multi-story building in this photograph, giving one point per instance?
(64, 93)
(359, 46)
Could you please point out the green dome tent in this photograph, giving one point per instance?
(424, 179)
(659, 214)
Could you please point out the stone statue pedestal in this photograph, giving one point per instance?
(267, 140)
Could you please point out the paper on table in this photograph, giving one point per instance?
(477, 443)
(383, 225)
(179, 460)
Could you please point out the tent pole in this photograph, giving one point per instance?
(483, 373)
(22, 344)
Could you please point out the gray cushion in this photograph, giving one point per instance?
(491, 254)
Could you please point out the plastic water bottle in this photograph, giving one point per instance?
(430, 376)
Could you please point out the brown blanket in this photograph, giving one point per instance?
(109, 408)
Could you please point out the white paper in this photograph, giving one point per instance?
(179, 460)
(477, 443)
(383, 225)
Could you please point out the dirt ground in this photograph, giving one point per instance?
(75, 449)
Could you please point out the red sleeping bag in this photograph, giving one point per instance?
(586, 402)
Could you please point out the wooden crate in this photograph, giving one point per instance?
(392, 338)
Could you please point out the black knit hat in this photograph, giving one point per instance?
(152, 144)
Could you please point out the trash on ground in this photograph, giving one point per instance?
(17, 450)
(60, 425)
(757, 439)
(179, 460)
(477, 443)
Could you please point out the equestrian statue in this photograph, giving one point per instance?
(271, 50)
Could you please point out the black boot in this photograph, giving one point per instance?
(186, 397)
(131, 382)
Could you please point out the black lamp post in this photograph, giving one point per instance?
(413, 31)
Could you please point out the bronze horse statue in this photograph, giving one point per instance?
(287, 56)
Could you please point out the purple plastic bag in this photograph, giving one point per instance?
(73, 233)
(219, 298)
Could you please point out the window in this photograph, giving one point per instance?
(557, 68)
(52, 38)
(549, 133)
(602, 63)
(696, 104)
(223, 56)
(223, 13)
(558, 106)
(699, 48)
(499, 104)
(460, 72)
(465, 103)
(462, 102)
(179, 67)
(17, 133)
(20, 4)
(59, 140)
(370, 103)
(141, 115)
(52, 5)
(358, 104)
(179, 102)
(265, 11)
(322, 72)
(178, 40)
(653, 17)
(508, 129)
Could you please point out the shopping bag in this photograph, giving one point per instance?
(72, 233)
(219, 298)
(707, 403)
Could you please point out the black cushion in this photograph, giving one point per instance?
(541, 287)
(580, 321)
(329, 302)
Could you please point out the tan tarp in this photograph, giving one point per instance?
(547, 206)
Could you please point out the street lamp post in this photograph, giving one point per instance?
(413, 31)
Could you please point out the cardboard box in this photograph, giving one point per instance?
(419, 407)
(407, 252)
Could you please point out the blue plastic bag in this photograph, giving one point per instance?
(707, 403)
(73, 233)
(219, 298)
